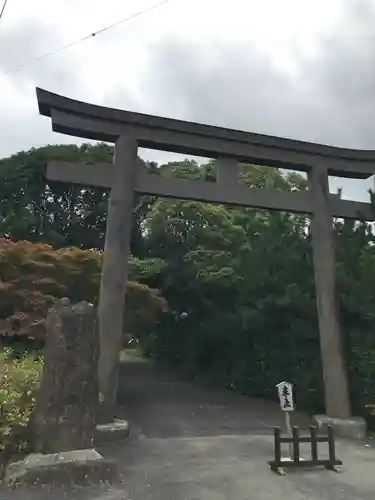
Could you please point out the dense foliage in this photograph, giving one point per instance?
(58, 214)
(238, 281)
(33, 276)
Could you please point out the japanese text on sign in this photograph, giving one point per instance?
(285, 390)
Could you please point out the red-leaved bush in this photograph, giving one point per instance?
(33, 276)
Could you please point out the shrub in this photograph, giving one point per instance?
(19, 381)
(34, 276)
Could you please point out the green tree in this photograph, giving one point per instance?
(60, 214)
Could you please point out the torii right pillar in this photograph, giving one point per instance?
(335, 377)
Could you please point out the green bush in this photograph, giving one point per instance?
(19, 381)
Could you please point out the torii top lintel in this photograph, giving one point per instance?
(90, 121)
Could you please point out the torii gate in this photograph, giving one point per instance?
(128, 131)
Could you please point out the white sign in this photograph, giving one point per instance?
(285, 390)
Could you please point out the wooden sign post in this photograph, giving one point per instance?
(285, 391)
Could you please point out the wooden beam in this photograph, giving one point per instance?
(86, 126)
(348, 209)
(196, 138)
(211, 192)
(98, 174)
(164, 139)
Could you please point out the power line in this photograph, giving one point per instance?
(87, 37)
(3, 8)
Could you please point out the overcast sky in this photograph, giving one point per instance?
(303, 69)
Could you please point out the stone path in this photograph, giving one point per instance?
(194, 443)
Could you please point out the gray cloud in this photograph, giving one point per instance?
(331, 100)
(242, 89)
(31, 130)
(23, 128)
(23, 44)
(344, 75)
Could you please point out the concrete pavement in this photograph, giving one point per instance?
(193, 443)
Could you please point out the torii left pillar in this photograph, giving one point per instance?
(115, 272)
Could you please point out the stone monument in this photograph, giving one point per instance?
(64, 421)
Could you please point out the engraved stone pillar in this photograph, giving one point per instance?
(65, 413)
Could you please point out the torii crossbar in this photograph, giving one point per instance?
(129, 131)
